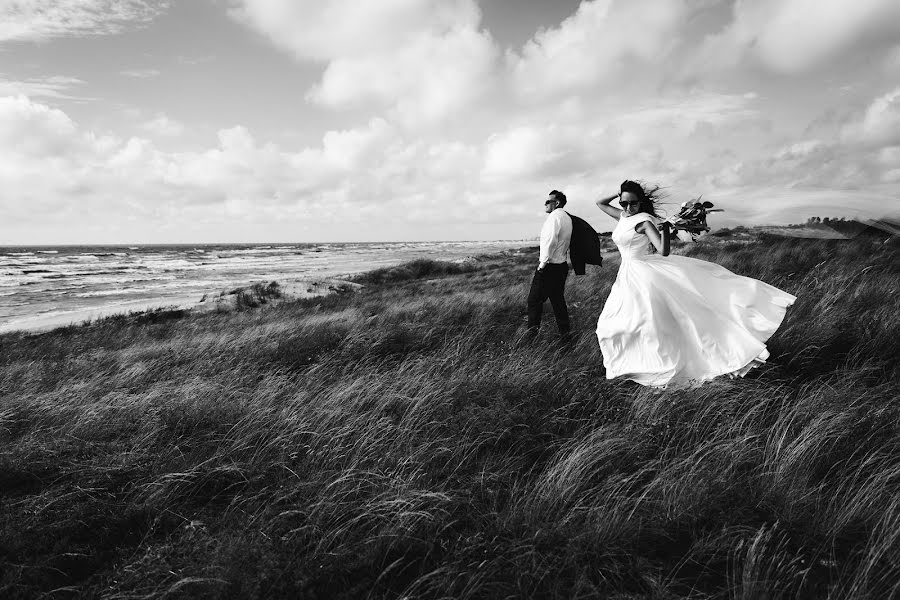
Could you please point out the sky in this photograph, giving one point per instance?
(205, 121)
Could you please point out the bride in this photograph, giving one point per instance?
(674, 320)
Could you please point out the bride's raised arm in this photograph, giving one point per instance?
(603, 204)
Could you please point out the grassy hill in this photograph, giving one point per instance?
(404, 440)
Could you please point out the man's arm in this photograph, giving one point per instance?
(546, 238)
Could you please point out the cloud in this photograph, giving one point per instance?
(163, 126)
(601, 43)
(54, 86)
(674, 140)
(37, 20)
(324, 31)
(880, 124)
(46, 161)
(354, 148)
(48, 158)
(32, 129)
(858, 155)
(423, 61)
(432, 78)
(366, 174)
(449, 133)
(889, 159)
(141, 73)
(551, 151)
(52, 170)
(791, 36)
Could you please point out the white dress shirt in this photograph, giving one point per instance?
(555, 237)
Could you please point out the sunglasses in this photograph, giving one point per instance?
(632, 203)
(546, 202)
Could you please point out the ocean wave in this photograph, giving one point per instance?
(101, 277)
(81, 258)
(24, 262)
(101, 293)
(71, 289)
(164, 288)
(225, 253)
(107, 270)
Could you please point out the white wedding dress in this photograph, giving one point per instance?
(677, 321)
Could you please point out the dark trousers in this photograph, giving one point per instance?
(549, 283)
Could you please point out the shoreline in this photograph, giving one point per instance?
(212, 300)
(223, 300)
(37, 312)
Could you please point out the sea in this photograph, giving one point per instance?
(46, 287)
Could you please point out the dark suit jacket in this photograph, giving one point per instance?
(585, 245)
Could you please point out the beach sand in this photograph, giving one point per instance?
(218, 299)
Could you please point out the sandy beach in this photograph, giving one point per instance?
(214, 299)
(43, 288)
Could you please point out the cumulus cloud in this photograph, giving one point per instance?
(323, 31)
(353, 148)
(50, 164)
(47, 162)
(37, 20)
(880, 124)
(51, 167)
(422, 60)
(33, 129)
(603, 40)
(789, 36)
(431, 78)
(860, 155)
(553, 150)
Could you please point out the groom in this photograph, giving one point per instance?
(549, 279)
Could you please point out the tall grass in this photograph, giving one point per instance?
(407, 441)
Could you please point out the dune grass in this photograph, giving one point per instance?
(405, 441)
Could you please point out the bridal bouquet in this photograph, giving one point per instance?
(692, 217)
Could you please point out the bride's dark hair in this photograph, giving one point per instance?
(649, 196)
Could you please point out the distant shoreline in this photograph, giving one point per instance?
(42, 288)
(218, 299)
(214, 299)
